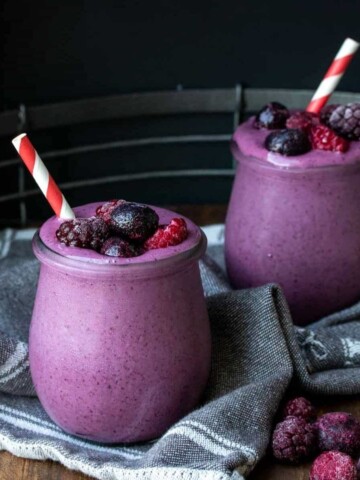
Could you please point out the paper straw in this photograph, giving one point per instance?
(333, 75)
(42, 177)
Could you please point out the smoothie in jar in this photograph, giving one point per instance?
(119, 341)
(293, 217)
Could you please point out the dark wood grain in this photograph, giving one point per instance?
(14, 468)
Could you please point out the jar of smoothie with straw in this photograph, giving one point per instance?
(119, 341)
(294, 213)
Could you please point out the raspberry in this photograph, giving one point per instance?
(134, 221)
(288, 142)
(326, 112)
(300, 407)
(303, 120)
(293, 440)
(345, 121)
(104, 211)
(333, 466)
(323, 138)
(273, 115)
(168, 235)
(339, 431)
(118, 247)
(83, 232)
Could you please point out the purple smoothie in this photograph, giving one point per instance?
(119, 348)
(295, 221)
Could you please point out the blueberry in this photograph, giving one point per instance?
(118, 247)
(292, 141)
(271, 116)
(134, 221)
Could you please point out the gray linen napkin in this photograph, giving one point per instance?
(256, 353)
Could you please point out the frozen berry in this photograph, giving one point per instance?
(134, 221)
(273, 115)
(168, 235)
(104, 211)
(300, 407)
(118, 247)
(333, 466)
(323, 138)
(293, 440)
(345, 120)
(288, 142)
(83, 232)
(339, 431)
(326, 112)
(303, 120)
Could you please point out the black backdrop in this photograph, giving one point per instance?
(59, 50)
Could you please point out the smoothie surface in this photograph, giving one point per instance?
(48, 230)
(250, 141)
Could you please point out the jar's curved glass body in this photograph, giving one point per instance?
(119, 353)
(300, 228)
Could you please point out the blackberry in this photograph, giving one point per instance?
(339, 431)
(134, 221)
(326, 112)
(83, 232)
(288, 142)
(345, 121)
(293, 440)
(118, 247)
(271, 116)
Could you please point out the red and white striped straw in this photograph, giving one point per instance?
(333, 75)
(42, 176)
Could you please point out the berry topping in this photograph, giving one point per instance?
(118, 247)
(104, 211)
(134, 221)
(345, 120)
(83, 232)
(168, 235)
(273, 115)
(339, 431)
(288, 142)
(293, 440)
(323, 138)
(326, 112)
(300, 407)
(303, 120)
(333, 466)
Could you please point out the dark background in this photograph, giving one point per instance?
(54, 51)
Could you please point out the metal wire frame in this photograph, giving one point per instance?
(236, 101)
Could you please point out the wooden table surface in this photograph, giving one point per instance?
(14, 468)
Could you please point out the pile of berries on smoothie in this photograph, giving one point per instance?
(122, 229)
(334, 437)
(296, 133)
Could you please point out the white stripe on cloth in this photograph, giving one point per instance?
(41, 430)
(17, 372)
(18, 355)
(53, 426)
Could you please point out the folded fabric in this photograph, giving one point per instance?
(256, 353)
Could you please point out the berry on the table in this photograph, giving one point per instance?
(104, 210)
(339, 431)
(168, 235)
(333, 465)
(83, 232)
(345, 120)
(323, 138)
(293, 440)
(300, 407)
(326, 112)
(271, 116)
(118, 247)
(134, 221)
(304, 120)
(288, 142)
